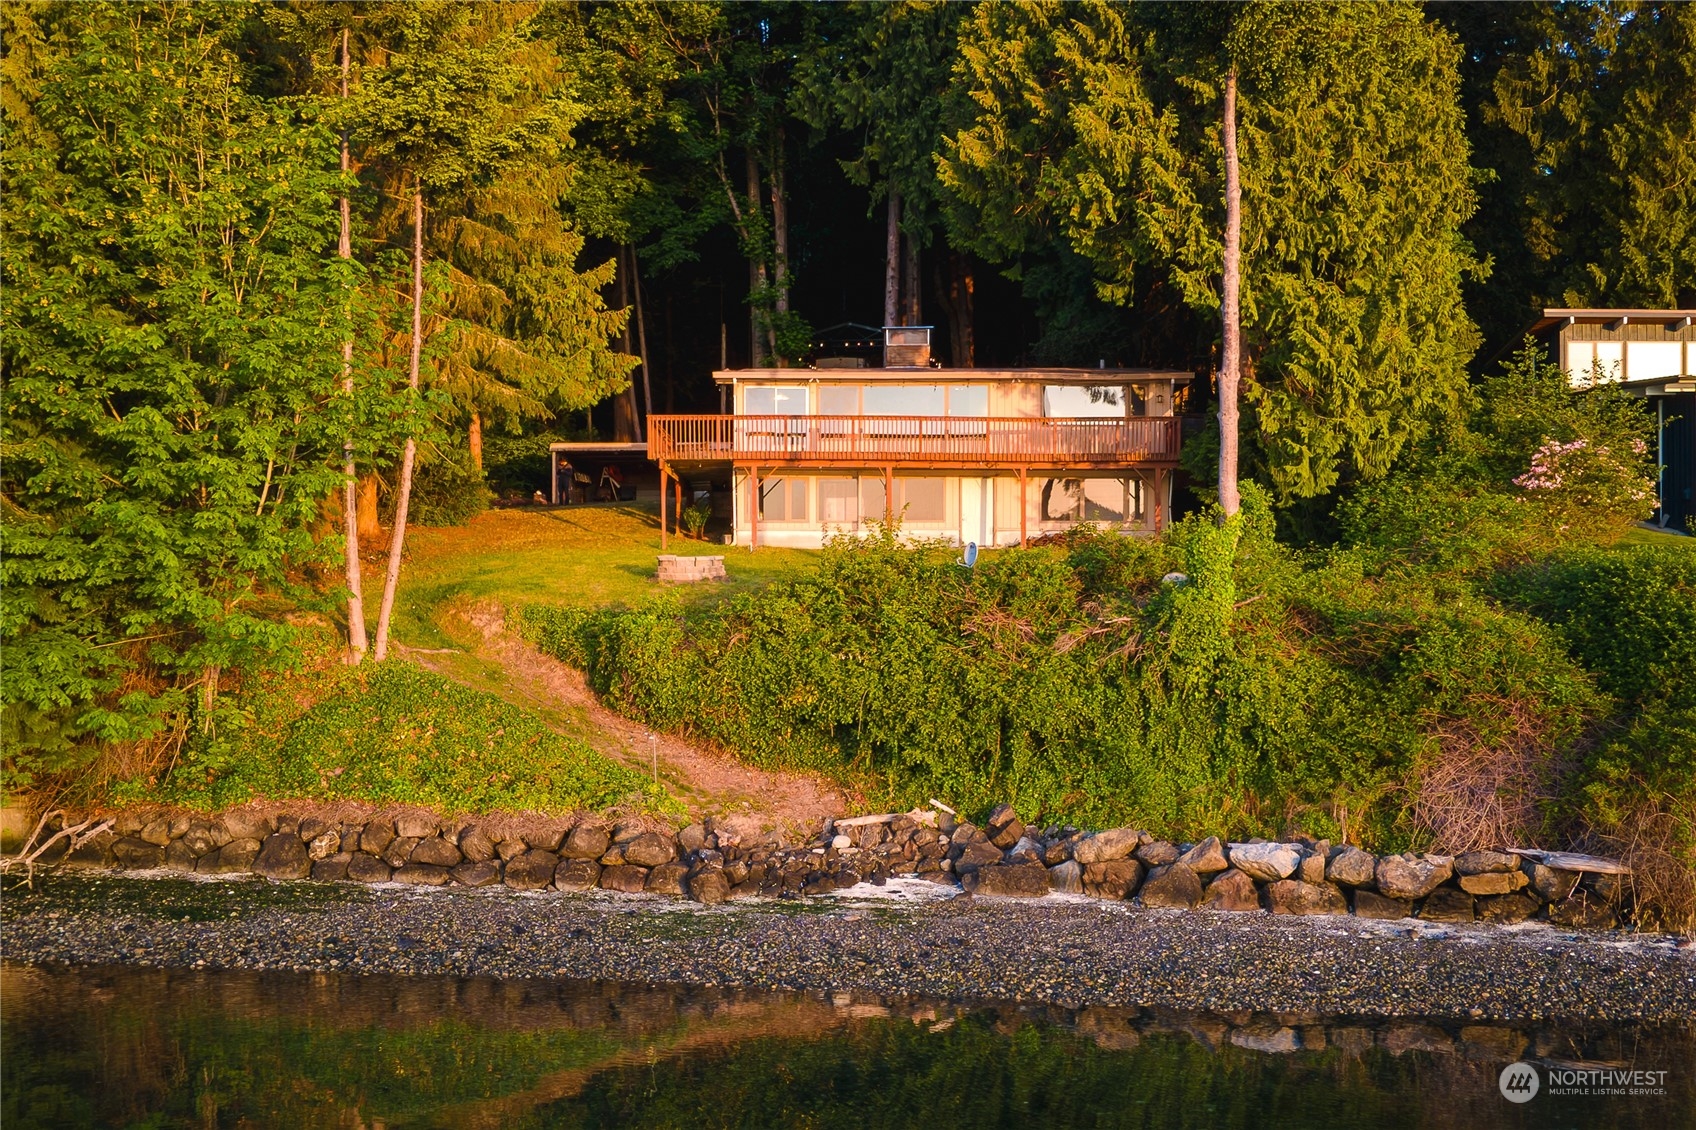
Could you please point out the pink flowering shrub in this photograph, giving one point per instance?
(1584, 483)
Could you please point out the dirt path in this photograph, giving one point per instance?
(709, 781)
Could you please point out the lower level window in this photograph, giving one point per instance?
(839, 502)
(783, 500)
(924, 500)
(1092, 500)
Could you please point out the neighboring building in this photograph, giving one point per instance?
(1651, 353)
(991, 456)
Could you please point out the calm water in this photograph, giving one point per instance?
(143, 1048)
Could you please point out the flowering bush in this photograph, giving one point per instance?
(1583, 482)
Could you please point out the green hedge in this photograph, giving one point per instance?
(1264, 692)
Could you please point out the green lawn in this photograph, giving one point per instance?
(1642, 535)
(586, 555)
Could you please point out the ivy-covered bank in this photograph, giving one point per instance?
(1212, 681)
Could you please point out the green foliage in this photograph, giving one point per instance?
(1097, 123)
(1260, 692)
(394, 732)
(1537, 465)
(171, 367)
(446, 491)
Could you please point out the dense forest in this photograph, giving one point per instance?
(278, 275)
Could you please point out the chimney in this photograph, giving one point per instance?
(906, 347)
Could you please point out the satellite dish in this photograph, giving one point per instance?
(971, 555)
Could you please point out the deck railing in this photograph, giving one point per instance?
(926, 440)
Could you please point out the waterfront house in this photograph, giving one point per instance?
(985, 456)
(1651, 353)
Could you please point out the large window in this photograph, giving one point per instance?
(904, 400)
(839, 400)
(968, 400)
(783, 500)
(1083, 402)
(924, 499)
(839, 502)
(1092, 500)
(769, 400)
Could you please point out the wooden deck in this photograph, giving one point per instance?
(966, 442)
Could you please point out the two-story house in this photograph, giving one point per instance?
(988, 456)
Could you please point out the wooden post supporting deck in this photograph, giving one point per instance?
(677, 485)
(1024, 507)
(754, 511)
(888, 495)
(1159, 498)
(662, 507)
(553, 476)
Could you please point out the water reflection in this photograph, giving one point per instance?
(132, 1047)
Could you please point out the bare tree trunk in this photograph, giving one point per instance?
(397, 541)
(370, 525)
(642, 341)
(892, 260)
(356, 640)
(759, 326)
(912, 312)
(1231, 345)
(780, 240)
(951, 288)
(626, 418)
(474, 435)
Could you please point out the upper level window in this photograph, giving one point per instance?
(759, 400)
(839, 400)
(968, 400)
(1083, 402)
(904, 400)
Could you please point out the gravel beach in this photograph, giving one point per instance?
(908, 938)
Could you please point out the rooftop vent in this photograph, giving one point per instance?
(906, 347)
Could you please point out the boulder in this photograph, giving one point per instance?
(1157, 854)
(1507, 909)
(1265, 862)
(127, 823)
(1105, 847)
(417, 825)
(690, 840)
(650, 849)
(1294, 896)
(421, 874)
(1206, 858)
(667, 879)
(1116, 879)
(975, 852)
(283, 857)
(1548, 883)
(477, 873)
(1492, 882)
(399, 850)
(1611, 889)
(1311, 869)
(475, 845)
(1412, 876)
(376, 837)
(1351, 867)
(245, 824)
(577, 875)
(96, 851)
(178, 857)
(1174, 884)
(1004, 828)
(311, 827)
(364, 868)
(1370, 904)
(324, 845)
(1025, 880)
(1026, 850)
(156, 831)
(1067, 877)
(1232, 890)
(548, 837)
(204, 837)
(332, 868)
(1448, 904)
(436, 852)
(1485, 862)
(1582, 911)
(531, 871)
(624, 877)
(137, 854)
(511, 848)
(1058, 852)
(286, 824)
(234, 858)
(710, 887)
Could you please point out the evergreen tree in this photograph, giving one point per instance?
(1099, 124)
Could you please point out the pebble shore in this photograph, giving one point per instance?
(908, 937)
